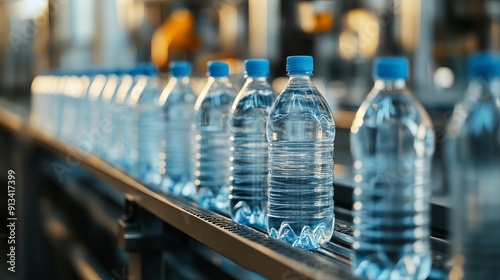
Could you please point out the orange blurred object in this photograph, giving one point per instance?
(176, 35)
(324, 22)
(313, 20)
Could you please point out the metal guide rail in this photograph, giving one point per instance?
(249, 248)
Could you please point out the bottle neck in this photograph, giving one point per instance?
(495, 88)
(217, 83)
(492, 82)
(223, 79)
(180, 80)
(486, 86)
(256, 81)
(299, 81)
(177, 83)
(396, 86)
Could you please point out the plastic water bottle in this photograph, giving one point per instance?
(39, 93)
(212, 108)
(300, 132)
(107, 112)
(123, 128)
(81, 109)
(59, 102)
(71, 93)
(249, 149)
(62, 105)
(92, 134)
(100, 123)
(473, 153)
(177, 157)
(43, 103)
(392, 143)
(53, 107)
(148, 127)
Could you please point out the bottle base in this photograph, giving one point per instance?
(152, 180)
(377, 265)
(208, 200)
(243, 213)
(184, 188)
(308, 239)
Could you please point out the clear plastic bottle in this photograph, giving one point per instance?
(177, 158)
(52, 105)
(100, 123)
(60, 100)
(43, 89)
(473, 154)
(107, 111)
(249, 149)
(92, 134)
(63, 105)
(72, 91)
(147, 126)
(38, 100)
(300, 133)
(212, 108)
(392, 142)
(81, 108)
(121, 153)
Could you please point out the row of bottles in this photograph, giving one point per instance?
(215, 148)
(267, 160)
(103, 113)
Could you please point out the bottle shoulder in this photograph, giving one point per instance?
(146, 91)
(392, 125)
(301, 116)
(213, 100)
(381, 107)
(478, 115)
(251, 101)
(149, 95)
(177, 94)
(307, 104)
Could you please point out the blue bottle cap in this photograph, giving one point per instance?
(485, 65)
(57, 72)
(180, 68)
(390, 68)
(257, 67)
(300, 65)
(149, 69)
(134, 71)
(107, 71)
(119, 71)
(67, 72)
(93, 71)
(218, 69)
